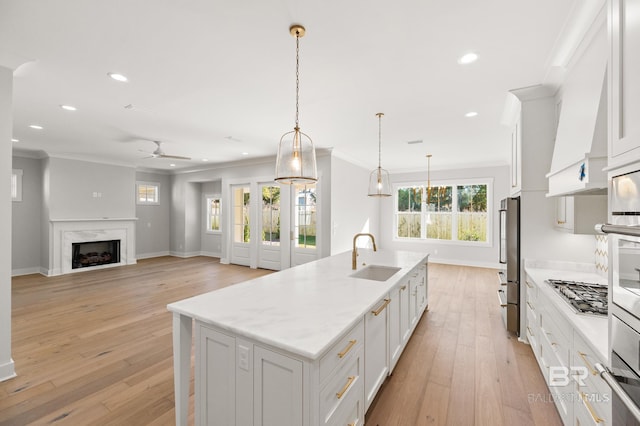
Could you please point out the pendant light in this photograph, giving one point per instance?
(379, 185)
(428, 188)
(296, 161)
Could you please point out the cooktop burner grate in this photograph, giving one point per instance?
(584, 298)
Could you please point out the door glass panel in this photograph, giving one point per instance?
(241, 202)
(271, 215)
(305, 216)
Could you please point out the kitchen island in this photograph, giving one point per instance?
(289, 347)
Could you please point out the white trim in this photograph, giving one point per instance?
(7, 370)
(26, 271)
(140, 256)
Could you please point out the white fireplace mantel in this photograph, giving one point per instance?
(65, 232)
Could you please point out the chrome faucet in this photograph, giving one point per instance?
(354, 253)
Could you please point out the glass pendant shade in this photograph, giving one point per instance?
(379, 183)
(296, 162)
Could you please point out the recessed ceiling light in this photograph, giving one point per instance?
(245, 153)
(15, 140)
(118, 77)
(68, 107)
(205, 159)
(471, 114)
(36, 127)
(468, 58)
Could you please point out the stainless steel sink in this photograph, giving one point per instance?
(376, 272)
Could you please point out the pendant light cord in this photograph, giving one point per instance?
(379, 141)
(297, 74)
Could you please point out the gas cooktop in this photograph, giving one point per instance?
(584, 298)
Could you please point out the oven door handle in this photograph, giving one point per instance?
(606, 228)
(618, 390)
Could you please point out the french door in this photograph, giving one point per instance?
(269, 249)
(241, 225)
(304, 224)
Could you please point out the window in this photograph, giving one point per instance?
(305, 216)
(450, 212)
(16, 185)
(271, 215)
(147, 193)
(241, 224)
(212, 208)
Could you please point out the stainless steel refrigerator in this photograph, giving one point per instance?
(509, 292)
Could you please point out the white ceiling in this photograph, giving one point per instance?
(214, 79)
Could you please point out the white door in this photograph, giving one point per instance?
(269, 225)
(304, 224)
(240, 224)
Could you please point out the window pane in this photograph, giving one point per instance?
(271, 215)
(472, 212)
(241, 203)
(305, 216)
(409, 225)
(213, 214)
(441, 199)
(440, 227)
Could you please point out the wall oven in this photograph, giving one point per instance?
(623, 373)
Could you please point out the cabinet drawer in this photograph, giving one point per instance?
(591, 409)
(343, 389)
(351, 413)
(554, 330)
(594, 393)
(531, 289)
(339, 353)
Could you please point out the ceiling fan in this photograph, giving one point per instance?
(159, 153)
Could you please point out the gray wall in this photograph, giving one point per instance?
(443, 251)
(73, 183)
(154, 221)
(26, 229)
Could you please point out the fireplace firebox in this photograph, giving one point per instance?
(94, 253)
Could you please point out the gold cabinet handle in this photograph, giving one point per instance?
(381, 308)
(347, 349)
(350, 380)
(561, 222)
(584, 359)
(594, 416)
(403, 288)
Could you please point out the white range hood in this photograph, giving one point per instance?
(580, 150)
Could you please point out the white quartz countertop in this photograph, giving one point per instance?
(593, 329)
(305, 309)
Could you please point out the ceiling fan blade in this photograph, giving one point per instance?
(175, 157)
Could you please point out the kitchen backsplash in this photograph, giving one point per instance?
(602, 255)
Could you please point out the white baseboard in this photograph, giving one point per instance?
(7, 370)
(460, 262)
(151, 255)
(210, 254)
(28, 271)
(184, 255)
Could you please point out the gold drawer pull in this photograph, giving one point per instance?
(584, 358)
(528, 285)
(561, 222)
(594, 416)
(381, 308)
(350, 380)
(403, 288)
(352, 424)
(347, 349)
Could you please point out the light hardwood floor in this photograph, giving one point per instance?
(94, 348)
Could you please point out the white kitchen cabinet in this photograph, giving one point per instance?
(421, 295)
(592, 401)
(624, 82)
(395, 324)
(277, 388)
(376, 327)
(215, 377)
(516, 158)
(579, 214)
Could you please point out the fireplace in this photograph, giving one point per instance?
(97, 239)
(94, 253)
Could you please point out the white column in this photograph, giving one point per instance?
(7, 369)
